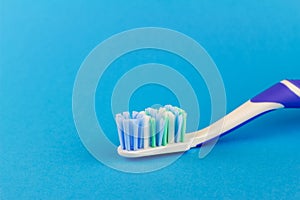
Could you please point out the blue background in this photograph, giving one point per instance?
(42, 45)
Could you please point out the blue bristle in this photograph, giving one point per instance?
(126, 133)
(131, 143)
(140, 134)
(176, 128)
(134, 114)
(135, 133)
(131, 134)
(157, 119)
(140, 118)
(179, 124)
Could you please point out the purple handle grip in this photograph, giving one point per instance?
(279, 93)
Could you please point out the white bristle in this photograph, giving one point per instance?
(146, 130)
(134, 132)
(171, 127)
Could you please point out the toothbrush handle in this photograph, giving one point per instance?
(285, 94)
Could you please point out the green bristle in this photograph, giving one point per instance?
(153, 132)
(165, 136)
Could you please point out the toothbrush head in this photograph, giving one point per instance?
(152, 131)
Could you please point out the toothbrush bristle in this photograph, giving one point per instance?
(151, 128)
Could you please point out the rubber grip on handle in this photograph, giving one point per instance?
(281, 93)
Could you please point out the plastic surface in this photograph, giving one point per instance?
(279, 93)
(295, 82)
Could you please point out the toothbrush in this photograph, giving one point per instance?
(162, 131)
